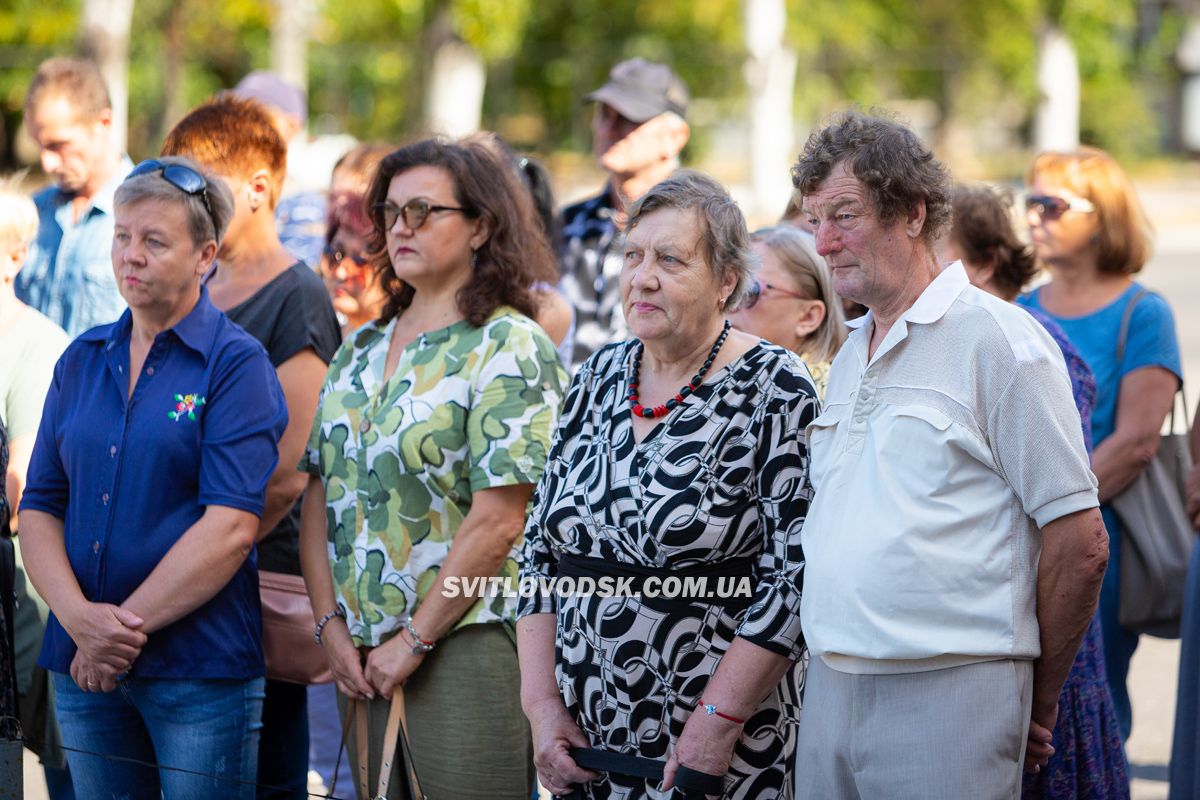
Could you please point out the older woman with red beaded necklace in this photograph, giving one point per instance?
(680, 455)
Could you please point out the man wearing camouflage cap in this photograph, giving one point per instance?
(638, 131)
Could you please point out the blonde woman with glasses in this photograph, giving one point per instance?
(791, 301)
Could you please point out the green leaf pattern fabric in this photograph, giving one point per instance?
(466, 409)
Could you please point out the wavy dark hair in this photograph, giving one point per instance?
(506, 265)
(983, 231)
(897, 169)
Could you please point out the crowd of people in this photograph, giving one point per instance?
(258, 443)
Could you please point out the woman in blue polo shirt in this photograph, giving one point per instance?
(137, 524)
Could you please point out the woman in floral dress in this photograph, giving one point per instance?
(433, 426)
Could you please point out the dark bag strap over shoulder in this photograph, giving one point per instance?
(1126, 317)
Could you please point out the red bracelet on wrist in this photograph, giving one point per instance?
(711, 710)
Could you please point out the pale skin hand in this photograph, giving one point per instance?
(109, 638)
(746, 675)
(300, 377)
(554, 732)
(20, 450)
(1143, 403)
(344, 659)
(1070, 571)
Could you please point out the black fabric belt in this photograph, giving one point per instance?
(689, 783)
(733, 571)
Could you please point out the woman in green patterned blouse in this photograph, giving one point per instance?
(433, 426)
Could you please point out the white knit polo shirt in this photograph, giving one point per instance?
(935, 464)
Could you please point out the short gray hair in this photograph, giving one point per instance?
(153, 186)
(724, 238)
(18, 214)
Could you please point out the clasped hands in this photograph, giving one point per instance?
(108, 639)
(386, 667)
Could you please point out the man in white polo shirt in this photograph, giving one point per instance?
(954, 547)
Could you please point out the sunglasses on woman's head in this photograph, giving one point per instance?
(182, 177)
(415, 213)
(1047, 206)
(756, 288)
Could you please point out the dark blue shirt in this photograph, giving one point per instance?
(129, 476)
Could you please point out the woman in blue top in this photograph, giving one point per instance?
(1090, 232)
(147, 481)
(1088, 761)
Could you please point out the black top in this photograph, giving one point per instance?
(291, 312)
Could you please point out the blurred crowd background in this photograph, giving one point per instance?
(986, 83)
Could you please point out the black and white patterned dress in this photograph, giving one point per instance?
(724, 476)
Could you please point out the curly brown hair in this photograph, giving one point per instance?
(983, 231)
(506, 265)
(897, 169)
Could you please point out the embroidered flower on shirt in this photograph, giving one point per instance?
(185, 406)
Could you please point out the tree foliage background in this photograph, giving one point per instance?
(974, 63)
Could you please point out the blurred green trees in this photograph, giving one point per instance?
(971, 63)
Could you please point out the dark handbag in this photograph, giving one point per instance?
(288, 646)
(1156, 534)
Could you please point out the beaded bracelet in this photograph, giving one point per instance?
(337, 612)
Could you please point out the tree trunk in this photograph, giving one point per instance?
(770, 74)
(290, 26)
(1187, 58)
(1057, 124)
(174, 50)
(105, 40)
(457, 76)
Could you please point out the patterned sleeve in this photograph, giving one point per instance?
(514, 407)
(784, 493)
(537, 561)
(310, 459)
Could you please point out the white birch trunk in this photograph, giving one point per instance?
(1188, 59)
(290, 26)
(770, 74)
(457, 77)
(105, 40)
(1057, 124)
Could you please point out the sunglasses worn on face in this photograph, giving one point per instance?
(756, 288)
(415, 212)
(183, 178)
(336, 256)
(1050, 207)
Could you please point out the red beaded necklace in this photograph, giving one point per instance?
(655, 412)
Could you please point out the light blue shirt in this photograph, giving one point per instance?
(68, 275)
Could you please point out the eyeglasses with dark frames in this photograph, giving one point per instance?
(1049, 207)
(183, 178)
(415, 213)
(756, 289)
(337, 255)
